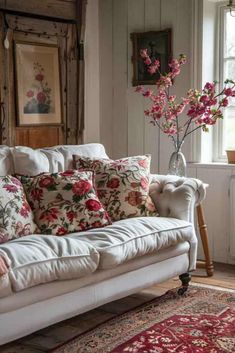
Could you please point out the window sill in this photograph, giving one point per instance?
(215, 165)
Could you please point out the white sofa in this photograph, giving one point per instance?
(53, 278)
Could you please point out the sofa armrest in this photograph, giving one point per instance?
(176, 196)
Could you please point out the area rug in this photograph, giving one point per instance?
(201, 321)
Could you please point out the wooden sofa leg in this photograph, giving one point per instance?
(185, 279)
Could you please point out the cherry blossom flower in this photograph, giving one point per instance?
(202, 108)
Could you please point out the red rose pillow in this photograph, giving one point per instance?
(16, 216)
(122, 185)
(65, 202)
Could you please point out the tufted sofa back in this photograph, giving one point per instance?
(28, 161)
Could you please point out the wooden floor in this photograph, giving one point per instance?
(50, 337)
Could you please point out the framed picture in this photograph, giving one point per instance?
(158, 44)
(38, 92)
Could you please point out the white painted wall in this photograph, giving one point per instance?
(116, 116)
(92, 74)
(217, 207)
(124, 129)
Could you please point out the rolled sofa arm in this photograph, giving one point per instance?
(176, 196)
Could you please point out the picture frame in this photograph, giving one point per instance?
(158, 44)
(38, 89)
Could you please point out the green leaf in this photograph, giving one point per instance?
(77, 198)
(51, 188)
(68, 187)
(101, 183)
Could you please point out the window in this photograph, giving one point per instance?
(226, 130)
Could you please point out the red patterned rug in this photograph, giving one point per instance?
(201, 321)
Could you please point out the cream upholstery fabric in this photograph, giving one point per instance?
(49, 290)
(88, 150)
(6, 162)
(55, 158)
(79, 272)
(130, 238)
(28, 161)
(176, 197)
(39, 259)
(61, 307)
(5, 285)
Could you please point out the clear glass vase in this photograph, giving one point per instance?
(177, 164)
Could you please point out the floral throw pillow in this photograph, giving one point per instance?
(16, 216)
(65, 202)
(122, 185)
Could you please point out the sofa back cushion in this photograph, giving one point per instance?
(31, 162)
(91, 150)
(6, 161)
(65, 202)
(16, 216)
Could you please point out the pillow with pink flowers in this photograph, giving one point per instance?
(16, 216)
(65, 202)
(122, 185)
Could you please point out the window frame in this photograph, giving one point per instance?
(218, 131)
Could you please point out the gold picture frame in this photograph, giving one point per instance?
(38, 91)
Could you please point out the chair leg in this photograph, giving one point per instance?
(208, 264)
(185, 279)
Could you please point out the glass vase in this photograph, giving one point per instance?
(177, 164)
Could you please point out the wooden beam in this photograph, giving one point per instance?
(59, 9)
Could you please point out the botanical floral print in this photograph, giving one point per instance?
(39, 95)
(16, 216)
(122, 185)
(65, 202)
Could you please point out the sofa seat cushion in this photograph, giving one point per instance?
(39, 259)
(130, 238)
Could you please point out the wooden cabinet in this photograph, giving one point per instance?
(49, 22)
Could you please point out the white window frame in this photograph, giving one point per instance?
(218, 130)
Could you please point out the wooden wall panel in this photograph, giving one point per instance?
(92, 74)
(178, 16)
(50, 28)
(120, 132)
(151, 134)
(122, 113)
(106, 74)
(136, 118)
(70, 76)
(39, 136)
(41, 31)
(55, 8)
(143, 15)
(217, 210)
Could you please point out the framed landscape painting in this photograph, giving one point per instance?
(158, 44)
(38, 84)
